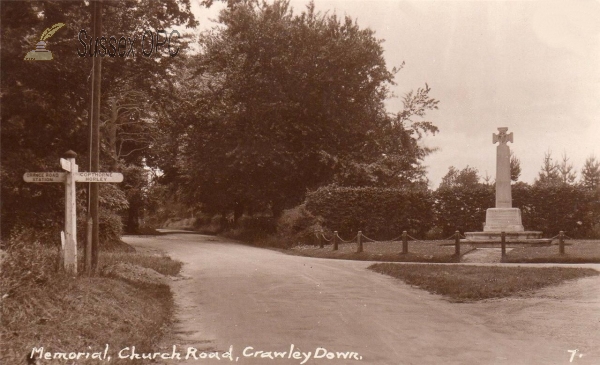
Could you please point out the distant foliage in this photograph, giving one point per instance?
(468, 176)
(380, 213)
(590, 173)
(549, 173)
(515, 167)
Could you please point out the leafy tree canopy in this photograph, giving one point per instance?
(287, 102)
(469, 176)
(45, 105)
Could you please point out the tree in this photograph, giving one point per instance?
(401, 165)
(515, 167)
(287, 103)
(487, 179)
(469, 176)
(40, 121)
(566, 170)
(590, 173)
(549, 173)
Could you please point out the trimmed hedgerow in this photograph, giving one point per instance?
(462, 208)
(554, 208)
(380, 213)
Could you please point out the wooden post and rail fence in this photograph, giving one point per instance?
(405, 238)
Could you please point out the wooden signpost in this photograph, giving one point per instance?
(69, 178)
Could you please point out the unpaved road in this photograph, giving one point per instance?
(253, 300)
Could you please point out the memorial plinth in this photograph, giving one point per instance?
(504, 218)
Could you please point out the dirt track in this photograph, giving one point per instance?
(240, 296)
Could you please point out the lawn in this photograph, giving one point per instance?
(418, 251)
(576, 251)
(467, 283)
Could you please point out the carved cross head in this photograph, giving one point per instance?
(502, 136)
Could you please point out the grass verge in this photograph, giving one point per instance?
(422, 251)
(466, 283)
(160, 263)
(43, 308)
(577, 251)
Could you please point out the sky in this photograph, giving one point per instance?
(531, 66)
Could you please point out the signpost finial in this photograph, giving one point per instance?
(70, 154)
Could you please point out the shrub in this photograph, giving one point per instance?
(202, 220)
(435, 233)
(207, 224)
(299, 225)
(252, 228)
(380, 213)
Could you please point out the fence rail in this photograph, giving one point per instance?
(360, 238)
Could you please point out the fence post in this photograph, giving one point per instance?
(359, 241)
(335, 242)
(404, 242)
(320, 237)
(457, 243)
(503, 244)
(561, 242)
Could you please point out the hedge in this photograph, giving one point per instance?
(554, 208)
(546, 208)
(462, 208)
(380, 213)
(383, 213)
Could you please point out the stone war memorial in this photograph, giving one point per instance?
(504, 218)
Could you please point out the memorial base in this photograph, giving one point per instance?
(512, 239)
(503, 220)
(507, 220)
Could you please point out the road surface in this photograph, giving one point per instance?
(257, 306)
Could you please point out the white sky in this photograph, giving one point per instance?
(531, 66)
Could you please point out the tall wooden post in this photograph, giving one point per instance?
(335, 242)
(95, 137)
(70, 245)
(88, 246)
(359, 241)
(561, 242)
(404, 242)
(457, 243)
